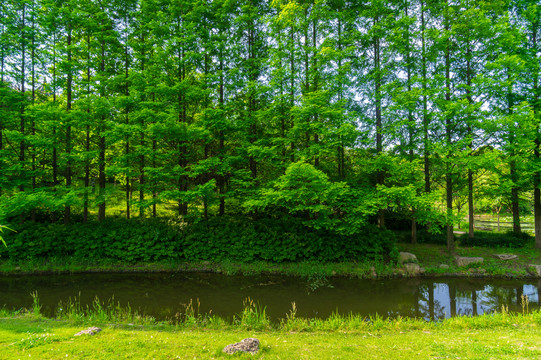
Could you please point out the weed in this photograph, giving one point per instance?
(253, 316)
(36, 307)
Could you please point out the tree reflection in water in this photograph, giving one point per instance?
(438, 300)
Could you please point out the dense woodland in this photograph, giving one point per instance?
(336, 113)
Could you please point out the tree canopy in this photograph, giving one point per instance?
(335, 112)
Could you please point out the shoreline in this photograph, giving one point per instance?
(338, 270)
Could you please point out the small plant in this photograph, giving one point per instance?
(316, 281)
(192, 316)
(253, 316)
(36, 307)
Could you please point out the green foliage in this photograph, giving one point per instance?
(494, 240)
(2, 227)
(218, 239)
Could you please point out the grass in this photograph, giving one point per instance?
(432, 256)
(498, 336)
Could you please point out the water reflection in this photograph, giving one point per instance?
(164, 295)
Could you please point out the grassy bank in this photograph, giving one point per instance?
(430, 257)
(497, 336)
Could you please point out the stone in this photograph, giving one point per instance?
(534, 270)
(505, 256)
(406, 257)
(249, 345)
(412, 269)
(90, 331)
(465, 261)
(444, 266)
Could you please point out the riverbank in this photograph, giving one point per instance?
(503, 336)
(433, 259)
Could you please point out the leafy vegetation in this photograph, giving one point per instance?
(336, 114)
(497, 240)
(218, 239)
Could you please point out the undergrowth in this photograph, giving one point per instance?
(220, 239)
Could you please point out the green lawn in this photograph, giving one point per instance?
(485, 337)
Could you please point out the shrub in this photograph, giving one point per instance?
(220, 239)
(509, 239)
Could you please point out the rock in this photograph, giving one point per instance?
(406, 257)
(505, 256)
(481, 271)
(444, 266)
(534, 270)
(412, 269)
(464, 261)
(249, 345)
(90, 331)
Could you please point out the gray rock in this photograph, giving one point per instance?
(534, 270)
(90, 331)
(412, 269)
(505, 256)
(444, 266)
(464, 261)
(249, 345)
(406, 257)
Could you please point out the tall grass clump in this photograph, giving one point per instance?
(191, 316)
(252, 317)
(100, 312)
(36, 306)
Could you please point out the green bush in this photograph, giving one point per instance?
(398, 220)
(424, 236)
(219, 239)
(508, 239)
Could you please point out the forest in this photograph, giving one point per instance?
(337, 116)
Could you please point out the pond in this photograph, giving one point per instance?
(163, 295)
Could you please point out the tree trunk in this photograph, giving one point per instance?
(142, 140)
(67, 208)
(33, 122)
(127, 112)
(87, 135)
(469, 97)
(448, 175)
(379, 126)
(537, 173)
(22, 144)
(221, 176)
(101, 145)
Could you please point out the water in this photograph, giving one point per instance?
(163, 295)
